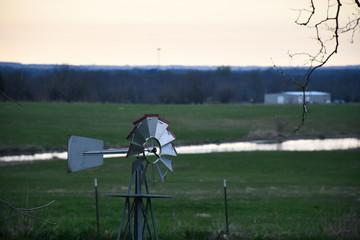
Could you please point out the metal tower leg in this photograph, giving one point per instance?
(138, 205)
(137, 212)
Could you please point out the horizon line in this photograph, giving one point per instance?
(171, 65)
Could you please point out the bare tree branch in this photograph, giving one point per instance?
(10, 98)
(328, 46)
(23, 211)
(301, 13)
(357, 3)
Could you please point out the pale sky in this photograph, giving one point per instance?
(129, 32)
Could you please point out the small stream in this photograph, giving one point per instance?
(288, 145)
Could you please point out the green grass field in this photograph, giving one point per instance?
(46, 125)
(271, 195)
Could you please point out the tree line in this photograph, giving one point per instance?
(66, 83)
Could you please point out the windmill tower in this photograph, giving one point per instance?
(151, 144)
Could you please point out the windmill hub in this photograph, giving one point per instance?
(154, 150)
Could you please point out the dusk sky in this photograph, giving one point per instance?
(188, 32)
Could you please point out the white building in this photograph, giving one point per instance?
(297, 97)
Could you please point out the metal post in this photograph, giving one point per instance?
(158, 50)
(138, 207)
(97, 207)
(226, 208)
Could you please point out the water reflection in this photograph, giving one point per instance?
(289, 145)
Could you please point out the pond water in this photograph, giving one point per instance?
(288, 145)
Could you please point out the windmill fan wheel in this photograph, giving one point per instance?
(151, 140)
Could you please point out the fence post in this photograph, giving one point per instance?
(97, 207)
(226, 208)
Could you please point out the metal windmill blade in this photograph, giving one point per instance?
(166, 137)
(169, 149)
(167, 163)
(152, 138)
(161, 127)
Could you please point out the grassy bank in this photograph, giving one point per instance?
(46, 125)
(271, 195)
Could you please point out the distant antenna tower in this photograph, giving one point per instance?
(158, 56)
(151, 140)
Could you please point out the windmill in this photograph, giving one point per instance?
(151, 144)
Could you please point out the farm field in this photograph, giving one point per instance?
(39, 126)
(271, 195)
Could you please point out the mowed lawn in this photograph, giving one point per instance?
(271, 195)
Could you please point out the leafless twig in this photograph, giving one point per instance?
(24, 211)
(10, 98)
